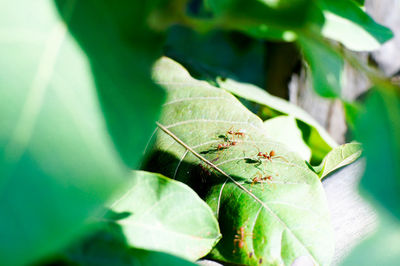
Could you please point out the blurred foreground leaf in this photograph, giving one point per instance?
(339, 157)
(382, 248)
(378, 128)
(165, 215)
(326, 65)
(271, 221)
(58, 163)
(360, 2)
(217, 54)
(120, 49)
(347, 23)
(279, 14)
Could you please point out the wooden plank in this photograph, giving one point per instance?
(353, 218)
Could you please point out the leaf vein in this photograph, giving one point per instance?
(209, 121)
(196, 99)
(220, 196)
(179, 163)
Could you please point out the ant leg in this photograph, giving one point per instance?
(215, 159)
(230, 132)
(234, 245)
(280, 157)
(271, 183)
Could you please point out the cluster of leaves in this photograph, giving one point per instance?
(79, 103)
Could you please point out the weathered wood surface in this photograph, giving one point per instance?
(353, 218)
(387, 12)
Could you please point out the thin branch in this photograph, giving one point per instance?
(172, 135)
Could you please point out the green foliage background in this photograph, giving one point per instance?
(79, 99)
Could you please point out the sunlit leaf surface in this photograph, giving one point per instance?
(278, 217)
(347, 23)
(339, 157)
(284, 129)
(313, 134)
(166, 215)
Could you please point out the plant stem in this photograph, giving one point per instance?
(172, 135)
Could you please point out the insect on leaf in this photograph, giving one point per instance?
(284, 129)
(270, 210)
(316, 137)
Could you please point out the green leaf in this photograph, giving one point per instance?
(347, 23)
(217, 53)
(284, 129)
(382, 248)
(378, 129)
(282, 218)
(108, 246)
(55, 145)
(120, 56)
(150, 258)
(352, 111)
(314, 135)
(360, 2)
(266, 32)
(165, 215)
(310, 15)
(326, 65)
(339, 157)
(279, 15)
(272, 20)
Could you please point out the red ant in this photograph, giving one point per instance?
(238, 133)
(226, 145)
(223, 146)
(261, 179)
(269, 156)
(240, 238)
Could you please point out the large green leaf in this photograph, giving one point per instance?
(120, 55)
(58, 163)
(339, 157)
(360, 2)
(284, 129)
(217, 53)
(325, 63)
(108, 246)
(277, 20)
(347, 23)
(314, 135)
(276, 13)
(281, 219)
(378, 129)
(165, 215)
